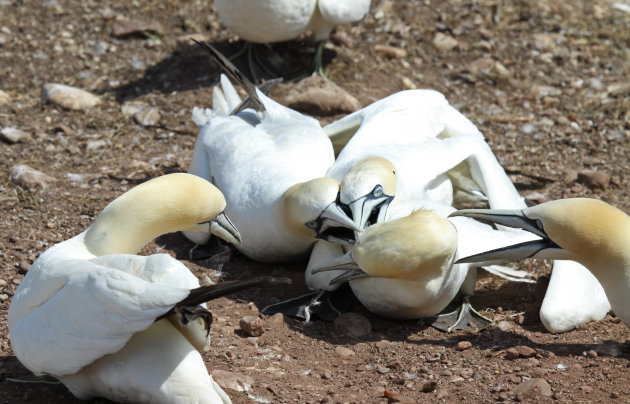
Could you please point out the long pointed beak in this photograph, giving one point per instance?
(342, 262)
(363, 207)
(334, 225)
(335, 216)
(222, 227)
(544, 248)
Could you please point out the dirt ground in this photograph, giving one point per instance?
(546, 81)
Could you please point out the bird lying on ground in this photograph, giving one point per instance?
(588, 231)
(109, 323)
(266, 21)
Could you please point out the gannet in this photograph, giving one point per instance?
(267, 21)
(403, 268)
(109, 323)
(269, 163)
(588, 231)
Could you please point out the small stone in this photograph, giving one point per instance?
(534, 386)
(444, 43)
(320, 97)
(4, 297)
(464, 345)
(4, 98)
(383, 344)
(252, 326)
(149, 116)
(429, 386)
(127, 27)
(3, 283)
(505, 325)
(232, 380)
(511, 354)
(326, 375)
(382, 370)
(488, 68)
(14, 135)
(594, 179)
(390, 52)
(68, 97)
(441, 394)
(29, 178)
(586, 389)
(352, 325)
(525, 351)
(591, 353)
(276, 321)
(614, 395)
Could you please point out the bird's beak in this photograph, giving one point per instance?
(222, 227)
(342, 262)
(364, 208)
(335, 226)
(543, 248)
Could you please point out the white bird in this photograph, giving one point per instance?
(424, 137)
(266, 21)
(268, 163)
(403, 267)
(109, 323)
(588, 231)
(411, 146)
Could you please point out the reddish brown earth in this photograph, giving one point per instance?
(546, 81)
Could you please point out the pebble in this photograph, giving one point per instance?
(232, 380)
(383, 344)
(534, 386)
(464, 345)
(441, 394)
(390, 52)
(252, 326)
(511, 354)
(382, 370)
(344, 352)
(149, 116)
(352, 325)
(488, 68)
(4, 98)
(594, 179)
(128, 27)
(68, 97)
(320, 97)
(4, 297)
(429, 387)
(586, 389)
(591, 353)
(444, 43)
(525, 351)
(29, 178)
(14, 135)
(3, 283)
(275, 321)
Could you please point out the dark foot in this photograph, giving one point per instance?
(462, 318)
(306, 306)
(213, 251)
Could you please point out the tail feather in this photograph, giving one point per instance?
(234, 74)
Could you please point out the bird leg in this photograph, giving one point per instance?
(461, 318)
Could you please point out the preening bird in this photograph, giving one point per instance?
(268, 162)
(267, 21)
(109, 323)
(587, 231)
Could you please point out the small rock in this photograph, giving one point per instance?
(441, 394)
(383, 344)
(591, 353)
(464, 345)
(252, 326)
(594, 179)
(614, 395)
(3, 297)
(320, 97)
(352, 325)
(276, 321)
(444, 43)
(4, 98)
(344, 352)
(29, 178)
(488, 68)
(232, 380)
(382, 9)
(429, 386)
(525, 351)
(149, 116)
(534, 386)
(511, 354)
(390, 52)
(3, 283)
(14, 135)
(326, 375)
(126, 27)
(505, 325)
(586, 389)
(382, 370)
(68, 97)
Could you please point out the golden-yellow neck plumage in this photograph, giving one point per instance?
(162, 205)
(364, 175)
(305, 201)
(419, 247)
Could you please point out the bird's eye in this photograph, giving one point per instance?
(377, 191)
(311, 225)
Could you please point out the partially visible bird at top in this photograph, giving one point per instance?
(267, 21)
(268, 162)
(109, 323)
(589, 231)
